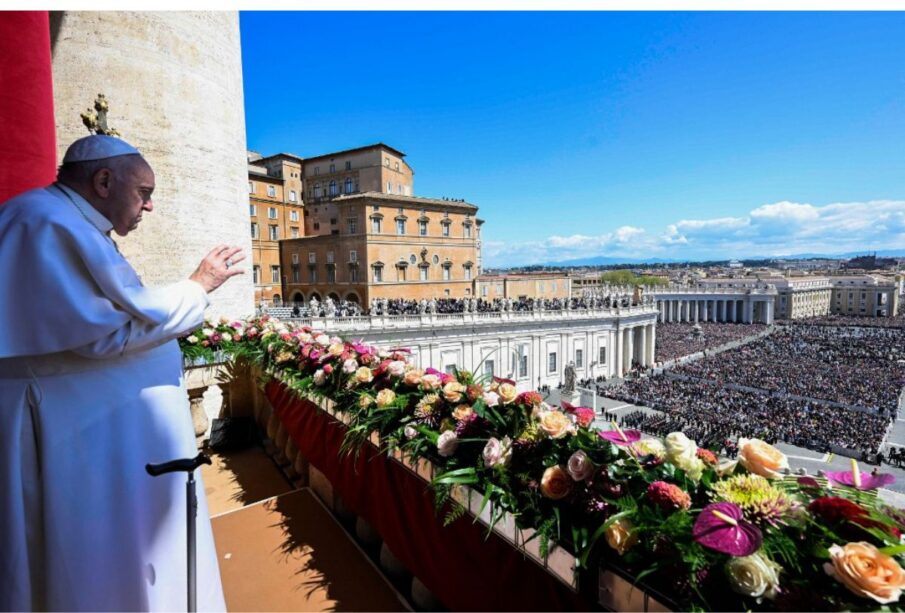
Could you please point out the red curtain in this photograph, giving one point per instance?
(463, 569)
(28, 147)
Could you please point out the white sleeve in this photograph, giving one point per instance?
(186, 301)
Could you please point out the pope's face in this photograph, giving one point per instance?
(130, 194)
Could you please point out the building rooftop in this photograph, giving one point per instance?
(407, 200)
(354, 150)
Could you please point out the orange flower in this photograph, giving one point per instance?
(556, 483)
(867, 572)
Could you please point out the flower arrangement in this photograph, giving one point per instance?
(730, 535)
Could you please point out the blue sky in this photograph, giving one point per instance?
(677, 135)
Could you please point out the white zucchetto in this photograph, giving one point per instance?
(98, 147)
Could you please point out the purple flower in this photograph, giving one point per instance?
(867, 481)
(721, 527)
(621, 437)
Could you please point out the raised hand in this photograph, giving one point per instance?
(218, 266)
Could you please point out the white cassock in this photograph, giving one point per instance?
(91, 390)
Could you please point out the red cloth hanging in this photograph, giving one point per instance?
(465, 570)
(28, 153)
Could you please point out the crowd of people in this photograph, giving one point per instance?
(714, 416)
(398, 306)
(677, 340)
(862, 367)
(865, 322)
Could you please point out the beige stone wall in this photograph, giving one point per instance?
(527, 286)
(174, 84)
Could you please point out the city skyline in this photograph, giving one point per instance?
(670, 135)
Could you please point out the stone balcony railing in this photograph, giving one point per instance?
(739, 291)
(433, 320)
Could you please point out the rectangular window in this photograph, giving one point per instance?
(254, 230)
(378, 274)
(256, 274)
(295, 258)
(332, 167)
(468, 273)
(375, 225)
(348, 165)
(312, 271)
(274, 274)
(353, 255)
(251, 187)
(272, 212)
(422, 228)
(292, 196)
(271, 191)
(467, 230)
(579, 358)
(522, 366)
(353, 274)
(423, 273)
(488, 367)
(331, 274)
(295, 274)
(446, 229)
(551, 362)
(294, 231)
(400, 227)
(274, 233)
(601, 358)
(252, 210)
(400, 273)
(446, 273)
(312, 257)
(293, 215)
(389, 187)
(353, 225)
(329, 257)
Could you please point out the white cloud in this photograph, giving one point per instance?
(780, 228)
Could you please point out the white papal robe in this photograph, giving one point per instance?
(91, 390)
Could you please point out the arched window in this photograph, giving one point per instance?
(333, 191)
(349, 185)
(317, 190)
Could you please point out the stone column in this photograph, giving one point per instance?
(616, 351)
(630, 349)
(173, 81)
(768, 314)
(642, 348)
(652, 345)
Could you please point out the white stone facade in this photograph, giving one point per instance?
(726, 304)
(174, 85)
(531, 348)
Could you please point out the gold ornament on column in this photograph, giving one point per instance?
(96, 119)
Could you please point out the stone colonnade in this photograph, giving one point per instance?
(714, 309)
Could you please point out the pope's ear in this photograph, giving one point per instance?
(102, 181)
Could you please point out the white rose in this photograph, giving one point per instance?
(491, 399)
(447, 443)
(651, 446)
(207, 332)
(350, 366)
(192, 339)
(320, 377)
(396, 369)
(754, 576)
(497, 452)
(410, 432)
(580, 466)
(322, 339)
(680, 449)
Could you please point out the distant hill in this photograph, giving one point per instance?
(614, 260)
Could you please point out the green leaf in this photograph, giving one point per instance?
(893, 550)
(459, 476)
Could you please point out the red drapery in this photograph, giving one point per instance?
(465, 571)
(28, 146)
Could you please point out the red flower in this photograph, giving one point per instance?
(707, 456)
(668, 496)
(529, 398)
(475, 391)
(328, 368)
(836, 511)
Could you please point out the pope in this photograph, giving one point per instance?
(91, 390)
